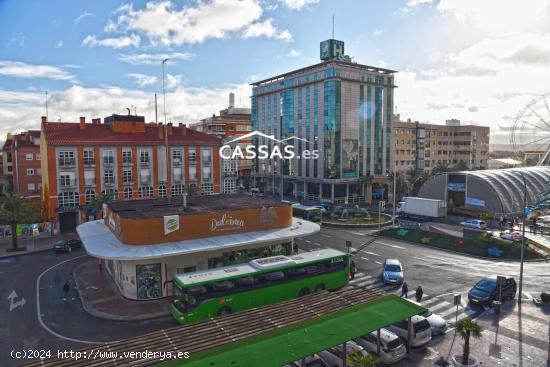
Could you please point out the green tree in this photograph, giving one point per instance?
(468, 328)
(365, 181)
(97, 203)
(356, 358)
(461, 166)
(440, 168)
(14, 210)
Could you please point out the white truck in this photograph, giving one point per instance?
(423, 207)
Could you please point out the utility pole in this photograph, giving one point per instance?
(168, 192)
(522, 239)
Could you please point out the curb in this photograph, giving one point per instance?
(107, 316)
(25, 253)
(462, 253)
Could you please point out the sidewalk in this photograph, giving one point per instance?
(101, 298)
(543, 242)
(32, 244)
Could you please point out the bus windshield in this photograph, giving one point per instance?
(306, 212)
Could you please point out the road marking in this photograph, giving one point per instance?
(441, 305)
(308, 241)
(378, 262)
(14, 305)
(365, 258)
(389, 244)
(317, 244)
(325, 235)
(370, 253)
(358, 234)
(39, 314)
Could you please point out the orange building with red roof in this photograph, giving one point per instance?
(123, 158)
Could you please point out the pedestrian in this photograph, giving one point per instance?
(352, 269)
(419, 293)
(100, 265)
(501, 222)
(534, 225)
(405, 290)
(66, 288)
(295, 248)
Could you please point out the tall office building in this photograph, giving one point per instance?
(340, 108)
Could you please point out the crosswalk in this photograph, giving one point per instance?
(434, 303)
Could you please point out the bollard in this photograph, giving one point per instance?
(496, 306)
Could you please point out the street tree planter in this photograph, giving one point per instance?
(467, 329)
(457, 361)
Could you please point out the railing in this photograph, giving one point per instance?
(89, 182)
(64, 183)
(127, 180)
(145, 181)
(66, 161)
(89, 161)
(108, 181)
(126, 161)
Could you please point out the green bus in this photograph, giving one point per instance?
(204, 294)
(310, 213)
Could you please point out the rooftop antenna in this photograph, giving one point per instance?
(332, 26)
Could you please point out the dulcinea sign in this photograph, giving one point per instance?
(226, 223)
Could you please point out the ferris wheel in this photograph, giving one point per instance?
(531, 129)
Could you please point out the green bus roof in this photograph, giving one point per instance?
(304, 207)
(306, 338)
(236, 271)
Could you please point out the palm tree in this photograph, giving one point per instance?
(365, 181)
(460, 166)
(468, 328)
(356, 358)
(97, 203)
(14, 210)
(440, 168)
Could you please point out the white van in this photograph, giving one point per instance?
(392, 348)
(333, 356)
(421, 330)
(309, 361)
(256, 192)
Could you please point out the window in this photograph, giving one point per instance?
(108, 176)
(192, 188)
(127, 176)
(88, 155)
(111, 193)
(145, 176)
(29, 156)
(229, 186)
(39, 171)
(178, 176)
(144, 157)
(162, 191)
(37, 156)
(192, 173)
(128, 193)
(126, 157)
(89, 196)
(192, 156)
(244, 128)
(66, 179)
(207, 189)
(66, 158)
(68, 199)
(31, 187)
(89, 178)
(30, 172)
(206, 156)
(145, 191)
(108, 157)
(206, 173)
(176, 157)
(178, 190)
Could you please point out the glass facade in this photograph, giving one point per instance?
(332, 127)
(287, 123)
(378, 130)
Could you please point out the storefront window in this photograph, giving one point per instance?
(149, 281)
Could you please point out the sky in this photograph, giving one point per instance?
(477, 61)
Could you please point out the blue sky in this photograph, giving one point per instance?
(479, 61)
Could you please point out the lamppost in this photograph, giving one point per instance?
(168, 188)
(394, 174)
(522, 238)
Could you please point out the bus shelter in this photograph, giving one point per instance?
(267, 336)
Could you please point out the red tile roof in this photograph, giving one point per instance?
(67, 133)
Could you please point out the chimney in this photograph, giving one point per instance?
(96, 121)
(231, 99)
(169, 128)
(44, 120)
(160, 131)
(82, 123)
(183, 129)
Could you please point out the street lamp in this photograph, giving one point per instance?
(522, 238)
(394, 174)
(168, 192)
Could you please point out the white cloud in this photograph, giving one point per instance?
(19, 69)
(165, 24)
(298, 4)
(173, 81)
(294, 53)
(142, 79)
(117, 42)
(154, 59)
(266, 29)
(182, 104)
(415, 3)
(83, 16)
(59, 44)
(377, 32)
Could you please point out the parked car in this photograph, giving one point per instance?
(320, 207)
(67, 245)
(511, 235)
(437, 323)
(392, 272)
(421, 332)
(486, 291)
(256, 192)
(474, 223)
(333, 356)
(309, 361)
(392, 348)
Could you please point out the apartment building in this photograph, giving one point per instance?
(338, 107)
(421, 146)
(124, 158)
(21, 165)
(229, 124)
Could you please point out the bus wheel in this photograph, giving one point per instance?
(303, 292)
(319, 287)
(224, 311)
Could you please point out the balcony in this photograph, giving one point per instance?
(144, 162)
(176, 162)
(178, 179)
(67, 183)
(66, 162)
(107, 181)
(126, 161)
(108, 161)
(89, 161)
(128, 182)
(145, 181)
(89, 183)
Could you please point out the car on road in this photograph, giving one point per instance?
(320, 207)
(256, 192)
(392, 348)
(486, 291)
(421, 332)
(392, 272)
(437, 323)
(511, 235)
(67, 245)
(333, 356)
(474, 223)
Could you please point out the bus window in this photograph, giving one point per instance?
(276, 275)
(311, 269)
(222, 286)
(247, 281)
(198, 290)
(295, 272)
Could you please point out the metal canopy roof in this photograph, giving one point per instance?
(100, 242)
(267, 336)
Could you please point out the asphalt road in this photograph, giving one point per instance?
(63, 324)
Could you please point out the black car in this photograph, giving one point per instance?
(487, 290)
(67, 245)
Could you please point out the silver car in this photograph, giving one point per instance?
(392, 272)
(437, 323)
(392, 348)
